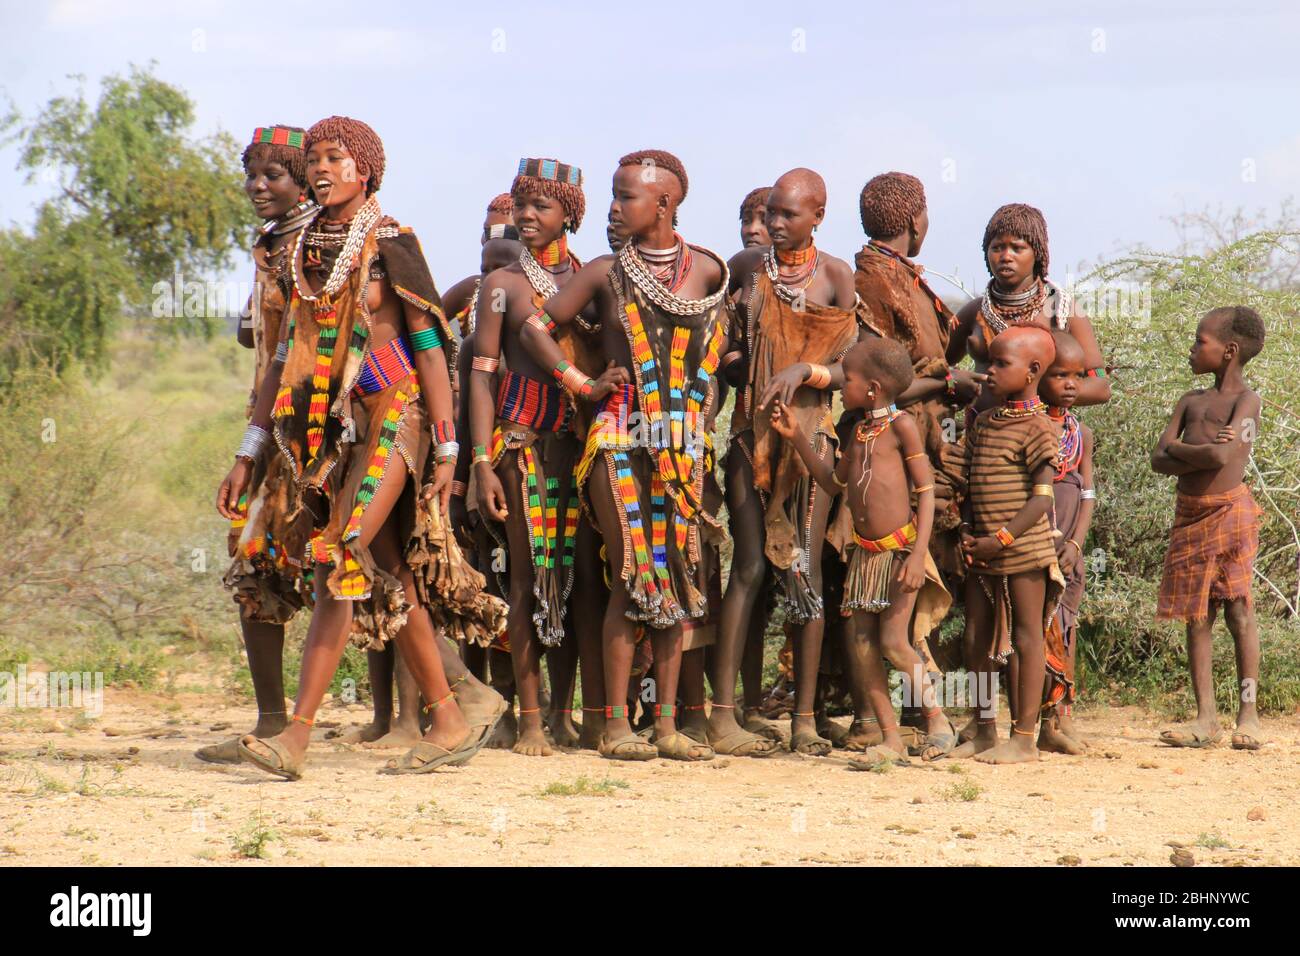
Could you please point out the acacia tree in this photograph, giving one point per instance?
(138, 199)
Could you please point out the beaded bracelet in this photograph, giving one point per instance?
(254, 440)
(423, 339)
(1005, 537)
(1098, 372)
(536, 318)
(480, 454)
(444, 431)
(482, 363)
(446, 451)
(572, 380)
(951, 385)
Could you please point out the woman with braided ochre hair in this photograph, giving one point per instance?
(522, 424)
(264, 585)
(1020, 293)
(358, 402)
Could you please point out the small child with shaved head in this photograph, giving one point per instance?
(883, 468)
(1014, 581)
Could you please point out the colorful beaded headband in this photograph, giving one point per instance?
(279, 136)
(551, 169)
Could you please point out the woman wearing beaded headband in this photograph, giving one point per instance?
(264, 584)
(663, 315)
(525, 446)
(1019, 293)
(368, 351)
(795, 311)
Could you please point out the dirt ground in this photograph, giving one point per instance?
(72, 794)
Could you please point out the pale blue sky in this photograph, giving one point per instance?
(1109, 116)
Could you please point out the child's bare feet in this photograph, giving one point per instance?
(985, 738)
(564, 732)
(1019, 749)
(864, 732)
(366, 734)
(532, 738)
(593, 728)
(967, 733)
(1066, 725)
(403, 735)
(830, 730)
(506, 732)
(1052, 739)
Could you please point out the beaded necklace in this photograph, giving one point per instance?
(358, 229)
(1002, 310)
(555, 254)
(538, 277)
(1020, 408)
(636, 269)
(295, 218)
(867, 433)
(792, 289)
(1071, 441)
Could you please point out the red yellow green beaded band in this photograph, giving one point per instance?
(1098, 372)
(279, 136)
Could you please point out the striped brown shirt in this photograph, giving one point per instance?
(1000, 456)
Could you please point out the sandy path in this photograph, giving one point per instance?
(73, 795)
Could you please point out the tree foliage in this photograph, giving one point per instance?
(137, 198)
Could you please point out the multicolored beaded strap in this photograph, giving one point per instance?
(894, 541)
(327, 318)
(384, 366)
(379, 460)
(1098, 372)
(551, 169)
(555, 253)
(1071, 452)
(279, 136)
(533, 404)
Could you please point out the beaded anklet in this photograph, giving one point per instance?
(431, 707)
(299, 719)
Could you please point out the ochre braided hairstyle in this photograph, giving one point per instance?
(1025, 223)
(293, 160)
(363, 143)
(569, 196)
(661, 159)
(754, 198)
(503, 204)
(888, 202)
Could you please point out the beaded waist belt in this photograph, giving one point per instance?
(384, 366)
(894, 541)
(533, 404)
